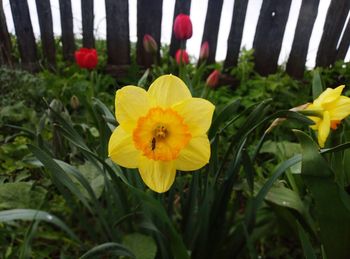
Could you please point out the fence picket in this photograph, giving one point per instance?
(335, 20)
(236, 32)
(297, 57)
(269, 35)
(267, 41)
(181, 6)
(211, 27)
(87, 15)
(5, 43)
(68, 43)
(46, 31)
(149, 21)
(344, 43)
(118, 45)
(24, 33)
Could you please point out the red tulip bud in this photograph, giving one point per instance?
(183, 27)
(213, 79)
(181, 56)
(149, 44)
(204, 53)
(86, 58)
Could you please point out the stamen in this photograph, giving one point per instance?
(160, 132)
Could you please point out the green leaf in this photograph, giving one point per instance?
(282, 149)
(59, 176)
(309, 253)
(142, 246)
(331, 201)
(94, 177)
(285, 197)
(317, 86)
(107, 248)
(20, 195)
(143, 80)
(224, 115)
(27, 214)
(269, 183)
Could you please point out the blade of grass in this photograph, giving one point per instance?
(29, 214)
(103, 249)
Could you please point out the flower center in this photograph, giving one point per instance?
(335, 124)
(161, 134)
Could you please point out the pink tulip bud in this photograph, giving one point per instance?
(181, 57)
(213, 79)
(149, 44)
(183, 27)
(204, 53)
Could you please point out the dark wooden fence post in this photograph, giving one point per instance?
(335, 20)
(46, 31)
(87, 14)
(68, 44)
(297, 57)
(211, 27)
(344, 43)
(25, 35)
(5, 43)
(181, 6)
(149, 21)
(118, 43)
(236, 32)
(269, 35)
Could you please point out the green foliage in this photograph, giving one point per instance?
(262, 195)
(143, 247)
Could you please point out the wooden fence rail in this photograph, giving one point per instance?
(267, 43)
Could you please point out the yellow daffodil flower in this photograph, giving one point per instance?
(160, 131)
(333, 107)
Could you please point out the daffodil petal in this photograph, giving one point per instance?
(341, 108)
(121, 149)
(197, 114)
(329, 95)
(131, 102)
(157, 175)
(324, 129)
(168, 90)
(195, 155)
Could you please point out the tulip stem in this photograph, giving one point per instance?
(92, 79)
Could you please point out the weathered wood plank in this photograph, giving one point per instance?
(269, 35)
(334, 24)
(297, 57)
(149, 21)
(181, 6)
(236, 32)
(5, 43)
(211, 27)
(46, 31)
(68, 44)
(118, 43)
(87, 14)
(344, 43)
(24, 33)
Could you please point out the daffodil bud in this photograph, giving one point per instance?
(74, 102)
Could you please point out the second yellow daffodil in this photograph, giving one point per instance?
(332, 107)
